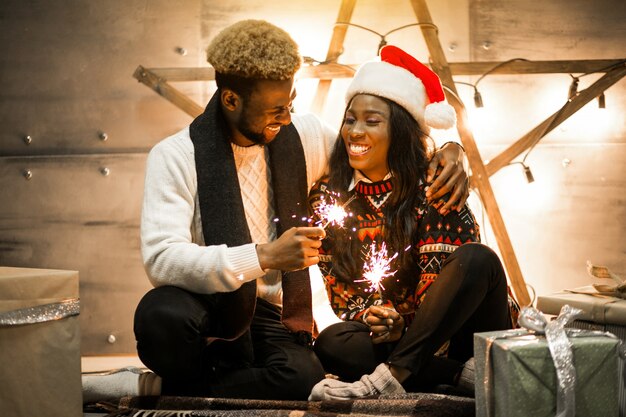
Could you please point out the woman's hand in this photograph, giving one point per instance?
(386, 324)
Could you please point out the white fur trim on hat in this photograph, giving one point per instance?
(386, 80)
(440, 115)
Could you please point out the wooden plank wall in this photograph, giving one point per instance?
(70, 215)
(575, 210)
(66, 77)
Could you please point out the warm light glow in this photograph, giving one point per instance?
(516, 195)
(589, 124)
(313, 40)
(441, 136)
(478, 120)
(305, 88)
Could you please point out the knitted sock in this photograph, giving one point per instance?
(129, 381)
(378, 382)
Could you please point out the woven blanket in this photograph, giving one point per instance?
(405, 405)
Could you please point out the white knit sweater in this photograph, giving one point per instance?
(172, 242)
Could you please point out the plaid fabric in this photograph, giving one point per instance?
(405, 405)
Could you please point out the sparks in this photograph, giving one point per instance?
(332, 213)
(377, 267)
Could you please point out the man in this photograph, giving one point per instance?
(224, 235)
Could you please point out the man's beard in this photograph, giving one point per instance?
(244, 128)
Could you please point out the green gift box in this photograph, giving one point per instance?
(516, 376)
(599, 312)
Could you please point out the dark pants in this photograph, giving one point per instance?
(469, 295)
(267, 362)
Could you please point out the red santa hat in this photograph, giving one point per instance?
(406, 81)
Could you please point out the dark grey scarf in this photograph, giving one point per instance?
(224, 220)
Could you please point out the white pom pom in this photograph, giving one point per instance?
(440, 115)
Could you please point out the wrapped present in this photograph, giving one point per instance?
(599, 312)
(595, 307)
(546, 370)
(39, 343)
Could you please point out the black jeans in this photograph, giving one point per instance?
(470, 295)
(267, 362)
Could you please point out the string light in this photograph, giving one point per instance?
(601, 101)
(529, 175)
(530, 178)
(383, 37)
(478, 98)
(573, 87)
(572, 93)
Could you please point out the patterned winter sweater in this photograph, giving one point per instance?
(435, 238)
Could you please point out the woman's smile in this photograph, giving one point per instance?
(358, 149)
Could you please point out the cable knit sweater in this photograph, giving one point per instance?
(172, 243)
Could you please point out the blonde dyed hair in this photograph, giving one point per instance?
(254, 49)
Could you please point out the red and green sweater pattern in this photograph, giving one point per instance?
(435, 238)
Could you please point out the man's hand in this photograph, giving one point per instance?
(295, 249)
(452, 179)
(386, 324)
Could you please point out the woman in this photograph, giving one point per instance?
(416, 331)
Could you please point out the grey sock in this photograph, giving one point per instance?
(110, 385)
(378, 382)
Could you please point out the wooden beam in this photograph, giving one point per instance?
(534, 67)
(168, 92)
(333, 70)
(334, 50)
(440, 65)
(184, 74)
(322, 71)
(327, 71)
(570, 107)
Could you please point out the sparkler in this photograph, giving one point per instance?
(333, 213)
(377, 267)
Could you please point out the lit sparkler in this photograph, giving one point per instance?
(377, 267)
(333, 213)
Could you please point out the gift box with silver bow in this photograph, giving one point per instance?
(39, 343)
(599, 312)
(546, 370)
